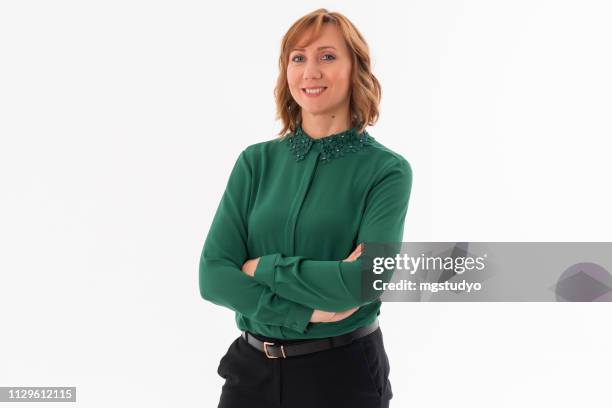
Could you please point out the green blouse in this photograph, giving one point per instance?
(302, 205)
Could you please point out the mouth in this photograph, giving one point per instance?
(311, 92)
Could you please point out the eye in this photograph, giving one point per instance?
(330, 55)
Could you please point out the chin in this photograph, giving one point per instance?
(316, 108)
(321, 111)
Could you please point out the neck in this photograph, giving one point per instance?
(321, 125)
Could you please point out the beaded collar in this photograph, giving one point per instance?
(331, 147)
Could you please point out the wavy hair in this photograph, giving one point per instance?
(365, 88)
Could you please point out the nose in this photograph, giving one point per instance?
(311, 70)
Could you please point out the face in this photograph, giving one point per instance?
(325, 63)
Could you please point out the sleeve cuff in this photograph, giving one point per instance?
(299, 317)
(264, 273)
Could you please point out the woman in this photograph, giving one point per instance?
(293, 208)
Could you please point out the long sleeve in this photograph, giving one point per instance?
(337, 285)
(221, 279)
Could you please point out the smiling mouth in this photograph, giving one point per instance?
(314, 91)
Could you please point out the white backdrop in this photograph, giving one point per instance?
(120, 122)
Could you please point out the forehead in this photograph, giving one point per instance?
(329, 35)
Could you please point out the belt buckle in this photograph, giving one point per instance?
(267, 343)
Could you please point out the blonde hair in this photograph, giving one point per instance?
(365, 88)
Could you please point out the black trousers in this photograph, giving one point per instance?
(355, 375)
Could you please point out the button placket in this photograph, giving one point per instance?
(310, 167)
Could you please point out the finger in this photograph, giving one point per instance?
(355, 255)
(343, 315)
(351, 257)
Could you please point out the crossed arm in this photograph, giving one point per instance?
(318, 316)
(292, 291)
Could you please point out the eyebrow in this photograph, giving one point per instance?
(319, 48)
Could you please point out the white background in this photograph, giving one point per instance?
(120, 122)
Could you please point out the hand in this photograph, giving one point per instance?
(249, 266)
(355, 254)
(321, 316)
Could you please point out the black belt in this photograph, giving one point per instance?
(272, 350)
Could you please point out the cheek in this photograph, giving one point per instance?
(341, 84)
(293, 78)
(341, 79)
